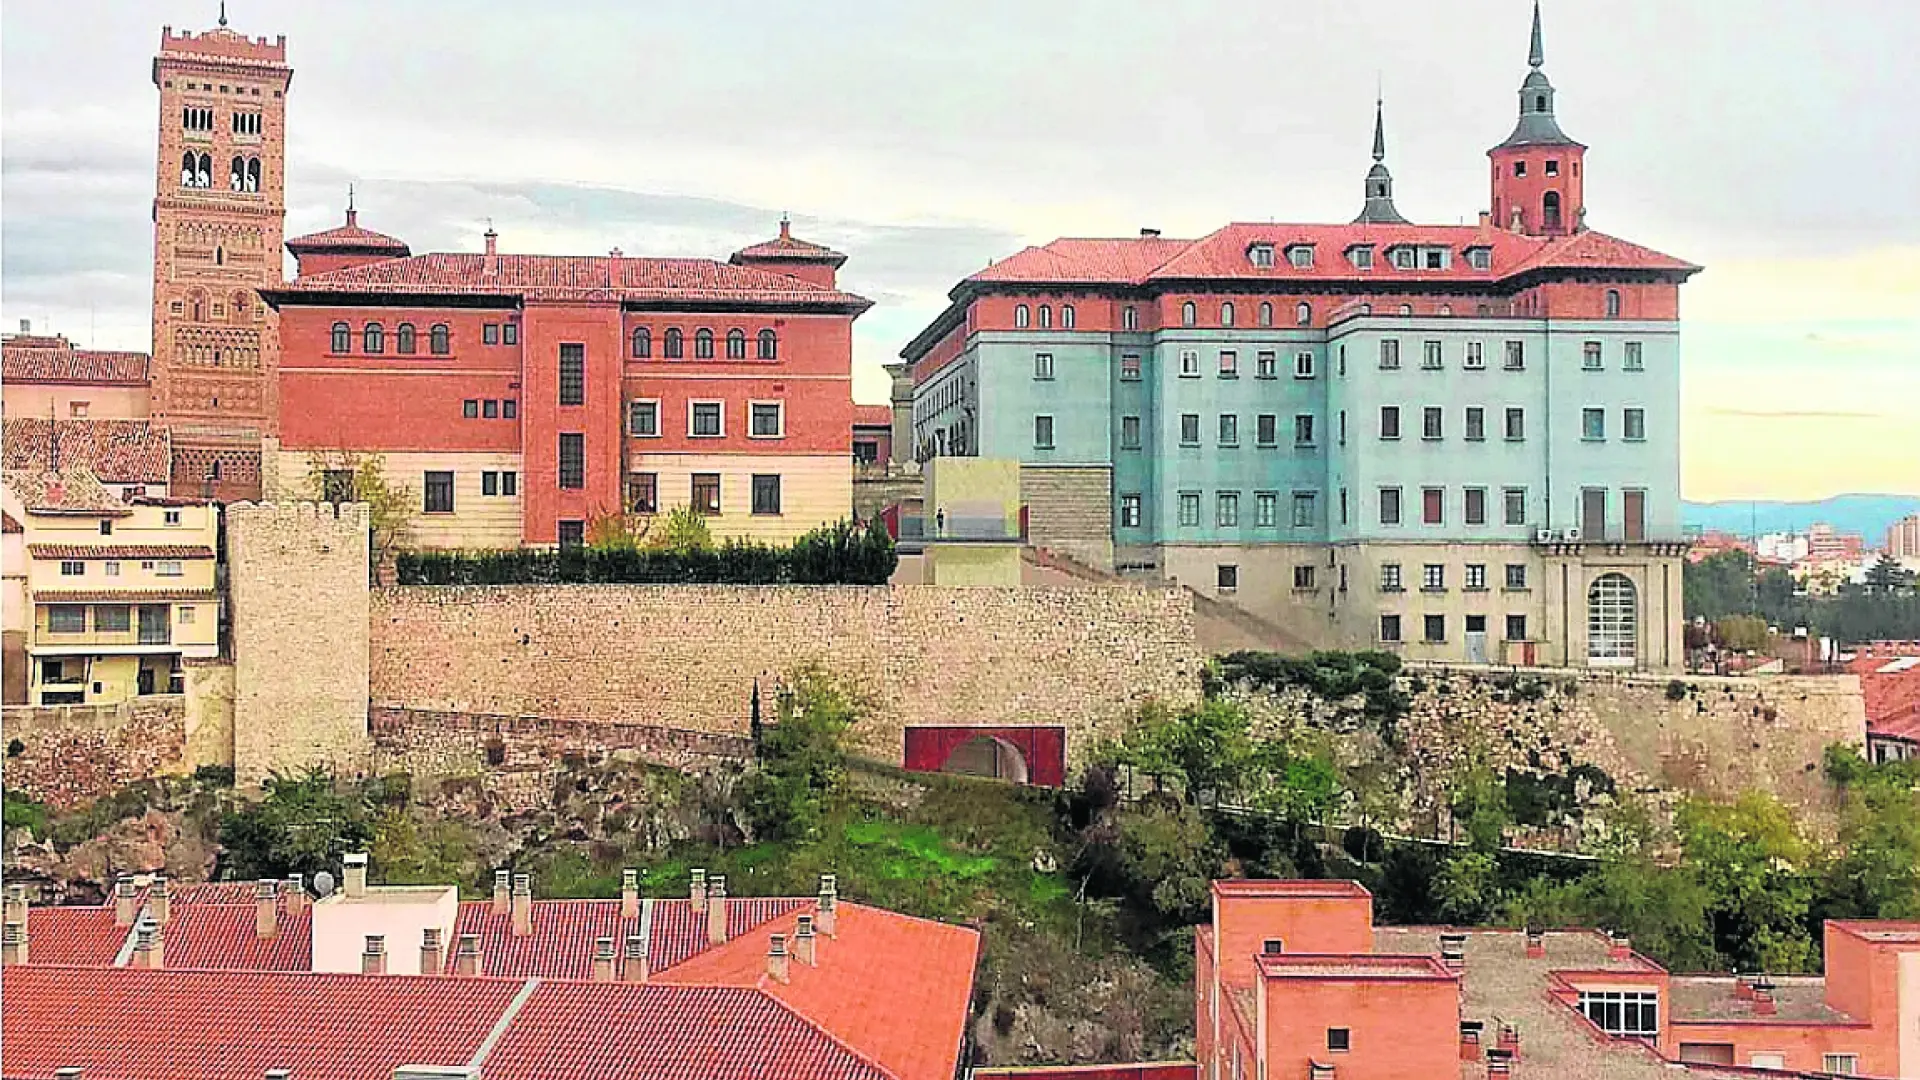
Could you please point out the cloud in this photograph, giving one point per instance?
(1785, 414)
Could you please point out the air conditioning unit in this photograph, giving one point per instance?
(1542, 536)
(1571, 536)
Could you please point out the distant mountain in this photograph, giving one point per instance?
(1868, 515)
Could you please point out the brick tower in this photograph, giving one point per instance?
(219, 210)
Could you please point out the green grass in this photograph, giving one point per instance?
(903, 852)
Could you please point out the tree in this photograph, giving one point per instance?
(1877, 875)
(303, 825)
(1888, 576)
(1203, 748)
(1742, 633)
(1755, 866)
(681, 530)
(1719, 585)
(1480, 806)
(802, 763)
(343, 476)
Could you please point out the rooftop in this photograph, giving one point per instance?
(785, 246)
(76, 490)
(116, 451)
(873, 416)
(37, 359)
(1329, 887)
(120, 551)
(349, 238)
(1716, 997)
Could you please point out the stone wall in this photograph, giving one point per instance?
(209, 713)
(70, 755)
(297, 578)
(688, 657)
(1070, 510)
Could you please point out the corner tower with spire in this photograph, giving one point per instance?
(1379, 208)
(1539, 187)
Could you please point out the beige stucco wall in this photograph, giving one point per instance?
(209, 703)
(477, 521)
(815, 490)
(972, 565)
(52, 399)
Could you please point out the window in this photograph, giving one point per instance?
(73, 568)
(114, 618)
(1433, 577)
(439, 493)
(1129, 433)
(706, 419)
(1436, 629)
(572, 535)
(766, 419)
(1343, 427)
(706, 493)
(1229, 429)
(1432, 422)
(1590, 356)
(1043, 365)
(1229, 364)
(1633, 425)
(1043, 432)
(509, 408)
(703, 344)
(674, 344)
(173, 516)
(66, 619)
(573, 374)
(1130, 511)
(1266, 308)
(1516, 628)
(342, 340)
(1226, 313)
(1130, 367)
(1189, 314)
(510, 333)
(1266, 365)
(1066, 316)
(1266, 429)
(1305, 506)
(403, 339)
(1476, 423)
(573, 461)
(490, 334)
(1266, 509)
(1300, 256)
(1632, 358)
(1389, 421)
(1516, 356)
(1476, 357)
(1389, 628)
(1046, 316)
(1406, 309)
(1516, 575)
(1633, 509)
(1403, 258)
(643, 493)
(1479, 258)
(246, 123)
(1623, 1012)
(1516, 424)
(736, 344)
(490, 409)
(1021, 317)
(470, 409)
(769, 348)
(1189, 509)
(1430, 356)
(1303, 429)
(1339, 1039)
(1262, 255)
(1226, 510)
(1389, 506)
(1190, 429)
(1226, 577)
(1593, 424)
(167, 568)
(1516, 505)
(439, 339)
(1362, 258)
(766, 494)
(1390, 354)
(1476, 577)
(1593, 512)
(106, 528)
(1189, 364)
(1519, 168)
(1390, 580)
(1475, 509)
(1840, 1064)
(1130, 318)
(111, 568)
(1433, 502)
(1303, 365)
(489, 483)
(509, 483)
(1303, 311)
(1613, 303)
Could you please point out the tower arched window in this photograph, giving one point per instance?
(673, 344)
(1540, 103)
(1189, 314)
(237, 174)
(1226, 313)
(204, 175)
(239, 308)
(1266, 313)
(1550, 211)
(253, 174)
(373, 339)
(703, 344)
(1130, 318)
(736, 344)
(1303, 314)
(642, 343)
(219, 255)
(1066, 316)
(403, 340)
(439, 340)
(1020, 316)
(1046, 316)
(187, 162)
(769, 345)
(342, 338)
(1613, 303)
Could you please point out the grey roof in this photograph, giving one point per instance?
(1537, 125)
(1379, 208)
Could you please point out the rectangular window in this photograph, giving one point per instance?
(1840, 1064)
(706, 419)
(1226, 512)
(1623, 1012)
(439, 493)
(1476, 577)
(573, 461)
(1266, 509)
(1226, 577)
(1043, 432)
(706, 493)
(510, 334)
(167, 568)
(1389, 421)
(1339, 1039)
(767, 419)
(489, 483)
(1516, 356)
(1390, 579)
(1516, 424)
(490, 334)
(1590, 356)
(766, 494)
(490, 408)
(509, 483)
(1130, 368)
(1229, 365)
(1130, 511)
(1431, 423)
(1043, 365)
(1266, 429)
(1305, 509)
(1229, 429)
(1189, 509)
(1190, 429)
(1389, 353)
(1433, 577)
(1516, 575)
(1476, 423)
(1389, 506)
(1593, 424)
(1516, 506)
(643, 493)
(1476, 358)
(470, 409)
(573, 374)
(1516, 628)
(509, 408)
(1433, 503)
(1303, 429)
(572, 535)
(1593, 513)
(1430, 356)
(1633, 507)
(1303, 365)
(113, 618)
(1303, 576)
(1389, 628)
(111, 567)
(1189, 363)
(643, 419)
(172, 517)
(73, 568)
(1266, 365)
(1475, 510)
(1129, 433)
(1436, 629)
(66, 619)
(1633, 425)
(1632, 359)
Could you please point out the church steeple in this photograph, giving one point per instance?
(1537, 125)
(1538, 182)
(1379, 208)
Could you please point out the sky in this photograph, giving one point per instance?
(1775, 142)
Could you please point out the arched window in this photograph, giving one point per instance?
(253, 174)
(1550, 210)
(703, 344)
(673, 344)
(1020, 316)
(1266, 313)
(219, 255)
(769, 345)
(642, 343)
(1613, 621)
(403, 342)
(342, 338)
(186, 169)
(1226, 313)
(237, 176)
(239, 307)
(1406, 309)
(1483, 309)
(1366, 309)
(736, 344)
(1540, 103)
(1446, 309)
(1303, 314)
(1188, 314)
(1066, 316)
(1130, 318)
(1613, 303)
(1046, 316)
(373, 339)
(439, 340)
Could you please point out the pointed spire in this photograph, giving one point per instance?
(349, 197)
(1537, 55)
(223, 13)
(1379, 208)
(1537, 125)
(1379, 129)
(353, 216)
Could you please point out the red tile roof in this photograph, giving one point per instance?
(8, 525)
(74, 935)
(113, 596)
(74, 491)
(223, 937)
(570, 277)
(54, 360)
(1086, 261)
(117, 451)
(680, 933)
(120, 551)
(562, 941)
(786, 247)
(1890, 682)
(348, 238)
(873, 416)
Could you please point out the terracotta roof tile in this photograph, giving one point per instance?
(75, 491)
(680, 933)
(785, 246)
(560, 946)
(8, 525)
(55, 360)
(120, 551)
(348, 237)
(873, 415)
(112, 596)
(117, 451)
(223, 937)
(73, 935)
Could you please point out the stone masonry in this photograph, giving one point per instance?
(70, 755)
(1070, 510)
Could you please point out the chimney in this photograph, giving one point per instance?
(1536, 945)
(1453, 951)
(125, 902)
(697, 891)
(373, 961)
(430, 963)
(1619, 946)
(717, 909)
(492, 239)
(266, 906)
(1486, 218)
(804, 942)
(629, 894)
(354, 871)
(1509, 1044)
(296, 890)
(502, 891)
(1763, 1003)
(603, 959)
(614, 253)
(1498, 1066)
(466, 957)
(522, 905)
(149, 950)
(160, 902)
(1150, 234)
(13, 945)
(634, 967)
(1742, 987)
(778, 962)
(1470, 1040)
(828, 919)
(16, 906)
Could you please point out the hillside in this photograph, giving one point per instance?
(1868, 515)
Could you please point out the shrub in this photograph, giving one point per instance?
(1676, 690)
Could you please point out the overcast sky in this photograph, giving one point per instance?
(1777, 142)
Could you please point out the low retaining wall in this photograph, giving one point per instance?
(70, 755)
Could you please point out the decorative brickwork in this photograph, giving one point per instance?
(71, 755)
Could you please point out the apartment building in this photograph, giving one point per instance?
(1459, 442)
